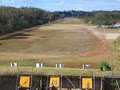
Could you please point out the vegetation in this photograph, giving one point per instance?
(104, 66)
(95, 17)
(115, 45)
(13, 19)
(51, 71)
(106, 18)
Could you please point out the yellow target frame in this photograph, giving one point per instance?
(87, 83)
(24, 81)
(54, 81)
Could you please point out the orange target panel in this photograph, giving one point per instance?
(55, 81)
(24, 81)
(86, 83)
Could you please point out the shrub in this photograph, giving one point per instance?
(104, 66)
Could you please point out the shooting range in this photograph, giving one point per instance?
(60, 82)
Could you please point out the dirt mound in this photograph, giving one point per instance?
(103, 48)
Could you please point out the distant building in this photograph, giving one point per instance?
(117, 24)
(102, 26)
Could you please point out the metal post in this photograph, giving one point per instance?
(47, 83)
(31, 79)
(94, 79)
(61, 77)
(112, 64)
(80, 86)
(101, 83)
(103, 80)
(41, 83)
(17, 78)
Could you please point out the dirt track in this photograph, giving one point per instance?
(111, 36)
(101, 36)
(103, 47)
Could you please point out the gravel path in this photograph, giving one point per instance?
(111, 36)
(103, 36)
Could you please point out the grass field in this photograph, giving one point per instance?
(61, 42)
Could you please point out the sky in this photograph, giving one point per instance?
(60, 5)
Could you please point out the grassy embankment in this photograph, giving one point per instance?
(60, 42)
(115, 45)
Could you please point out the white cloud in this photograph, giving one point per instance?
(60, 3)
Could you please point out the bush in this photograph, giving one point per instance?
(104, 66)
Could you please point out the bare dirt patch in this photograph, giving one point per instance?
(102, 48)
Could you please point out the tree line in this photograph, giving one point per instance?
(95, 17)
(13, 19)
